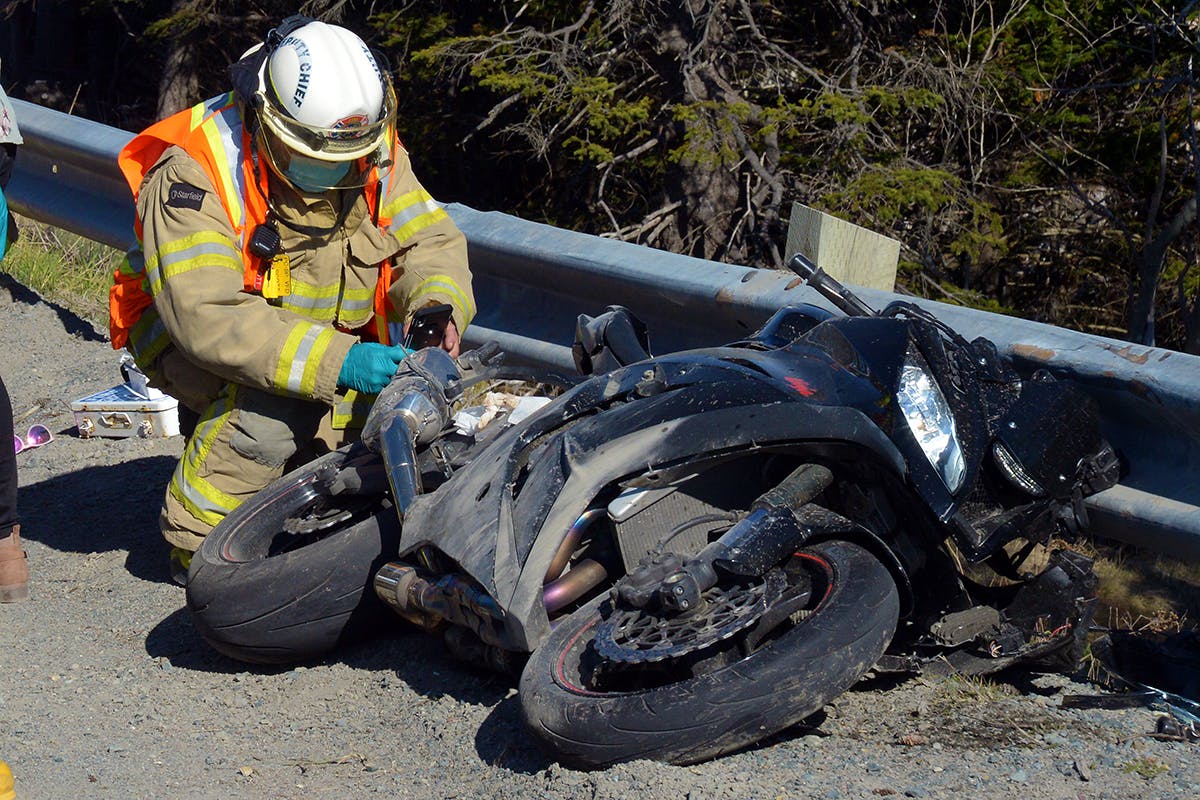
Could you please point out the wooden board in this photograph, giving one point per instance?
(850, 253)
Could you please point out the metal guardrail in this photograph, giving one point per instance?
(532, 281)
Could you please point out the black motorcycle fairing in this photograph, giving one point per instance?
(870, 347)
(876, 350)
(786, 326)
(1050, 422)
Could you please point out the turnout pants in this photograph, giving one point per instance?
(243, 440)
(8, 466)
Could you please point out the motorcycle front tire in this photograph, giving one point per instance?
(254, 602)
(697, 718)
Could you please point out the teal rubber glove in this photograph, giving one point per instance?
(369, 366)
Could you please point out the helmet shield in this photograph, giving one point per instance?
(339, 142)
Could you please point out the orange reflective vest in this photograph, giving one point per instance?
(212, 133)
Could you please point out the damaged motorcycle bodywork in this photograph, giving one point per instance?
(698, 549)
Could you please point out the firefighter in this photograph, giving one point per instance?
(283, 244)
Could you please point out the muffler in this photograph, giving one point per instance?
(430, 603)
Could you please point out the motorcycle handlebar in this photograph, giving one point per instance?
(480, 364)
(833, 291)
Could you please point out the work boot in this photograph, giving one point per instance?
(14, 569)
(180, 561)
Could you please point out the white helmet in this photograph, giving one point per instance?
(322, 94)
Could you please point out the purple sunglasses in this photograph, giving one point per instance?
(37, 436)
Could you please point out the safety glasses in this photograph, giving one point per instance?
(37, 436)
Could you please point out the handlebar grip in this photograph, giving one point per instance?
(833, 291)
(803, 266)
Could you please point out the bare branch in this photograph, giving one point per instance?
(649, 221)
(764, 42)
(492, 114)
(630, 155)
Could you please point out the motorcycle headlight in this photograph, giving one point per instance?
(929, 418)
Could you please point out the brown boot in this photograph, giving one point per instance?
(14, 570)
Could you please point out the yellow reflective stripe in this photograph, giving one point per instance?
(199, 112)
(318, 303)
(314, 314)
(201, 249)
(148, 337)
(442, 285)
(203, 500)
(412, 212)
(307, 297)
(355, 321)
(296, 371)
(213, 105)
(356, 307)
(314, 290)
(409, 205)
(352, 410)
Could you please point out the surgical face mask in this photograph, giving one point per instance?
(312, 175)
(307, 174)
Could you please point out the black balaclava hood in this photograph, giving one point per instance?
(244, 73)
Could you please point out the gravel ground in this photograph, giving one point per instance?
(107, 691)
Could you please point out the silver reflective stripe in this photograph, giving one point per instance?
(412, 211)
(149, 340)
(195, 497)
(168, 260)
(300, 360)
(229, 127)
(350, 306)
(299, 302)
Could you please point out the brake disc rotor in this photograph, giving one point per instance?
(635, 635)
(325, 513)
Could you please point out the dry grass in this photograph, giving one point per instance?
(973, 689)
(63, 267)
(1142, 590)
(978, 711)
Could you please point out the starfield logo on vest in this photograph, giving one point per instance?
(184, 195)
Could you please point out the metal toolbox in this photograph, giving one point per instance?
(120, 412)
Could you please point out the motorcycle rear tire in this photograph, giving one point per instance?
(701, 717)
(266, 607)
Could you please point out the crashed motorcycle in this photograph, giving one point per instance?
(684, 554)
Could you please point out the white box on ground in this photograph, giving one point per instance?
(120, 412)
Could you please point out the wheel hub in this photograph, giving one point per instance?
(634, 635)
